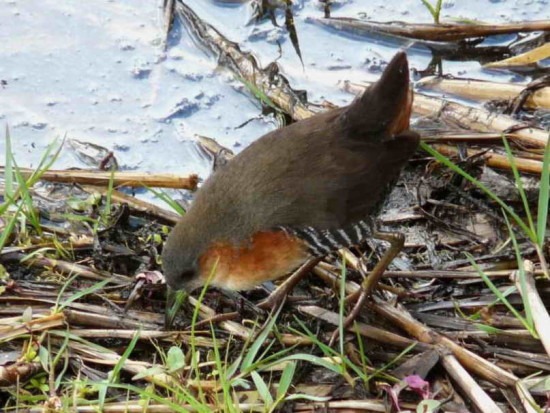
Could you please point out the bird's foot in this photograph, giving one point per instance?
(396, 241)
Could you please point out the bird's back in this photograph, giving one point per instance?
(325, 172)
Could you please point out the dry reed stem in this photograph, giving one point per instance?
(529, 58)
(242, 332)
(481, 90)
(441, 32)
(468, 385)
(366, 330)
(20, 328)
(541, 318)
(19, 372)
(467, 117)
(138, 206)
(135, 179)
(69, 268)
(424, 334)
(171, 336)
(494, 159)
(110, 358)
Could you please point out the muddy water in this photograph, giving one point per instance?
(97, 71)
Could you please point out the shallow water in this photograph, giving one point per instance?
(97, 72)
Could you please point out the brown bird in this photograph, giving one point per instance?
(297, 193)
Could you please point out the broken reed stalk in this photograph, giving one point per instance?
(17, 329)
(366, 330)
(102, 178)
(469, 385)
(68, 268)
(147, 335)
(19, 372)
(84, 318)
(137, 206)
(443, 32)
(111, 358)
(441, 274)
(541, 319)
(480, 90)
(527, 59)
(494, 159)
(467, 117)
(424, 334)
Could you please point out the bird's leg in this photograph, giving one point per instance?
(277, 296)
(396, 241)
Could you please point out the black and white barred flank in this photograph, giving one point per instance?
(323, 242)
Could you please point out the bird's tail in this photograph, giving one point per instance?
(384, 109)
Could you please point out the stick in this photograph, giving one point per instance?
(467, 117)
(494, 159)
(434, 32)
(483, 90)
(135, 179)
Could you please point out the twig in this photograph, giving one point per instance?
(494, 159)
(436, 32)
(67, 268)
(465, 116)
(366, 330)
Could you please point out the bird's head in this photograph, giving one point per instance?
(384, 109)
(181, 259)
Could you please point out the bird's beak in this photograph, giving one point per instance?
(174, 301)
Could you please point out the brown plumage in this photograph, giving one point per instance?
(297, 192)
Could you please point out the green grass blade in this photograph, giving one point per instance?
(519, 184)
(8, 229)
(46, 162)
(259, 94)
(107, 209)
(115, 372)
(542, 213)
(522, 280)
(174, 301)
(502, 298)
(430, 8)
(438, 11)
(82, 293)
(447, 162)
(263, 389)
(163, 196)
(27, 199)
(310, 358)
(256, 346)
(8, 171)
(286, 380)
